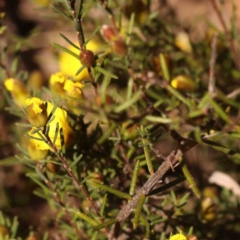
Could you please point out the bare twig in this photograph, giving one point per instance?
(228, 36)
(234, 93)
(211, 85)
(172, 159)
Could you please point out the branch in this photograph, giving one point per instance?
(229, 39)
(211, 85)
(170, 161)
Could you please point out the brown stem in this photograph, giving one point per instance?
(211, 85)
(74, 177)
(229, 39)
(58, 199)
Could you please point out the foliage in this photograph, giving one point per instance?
(107, 142)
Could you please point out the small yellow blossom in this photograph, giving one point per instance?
(73, 94)
(178, 236)
(36, 112)
(56, 84)
(36, 154)
(18, 91)
(183, 83)
(73, 89)
(69, 65)
(60, 118)
(182, 41)
(35, 80)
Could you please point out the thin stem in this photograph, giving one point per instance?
(211, 85)
(229, 39)
(74, 177)
(104, 3)
(58, 199)
(78, 22)
(3, 66)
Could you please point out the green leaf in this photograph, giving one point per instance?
(178, 95)
(92, 35)
(84, 217)
(66, 50)
(79, 70)
(138, 210)
(112, 190)
(157, 119)
(103, 205)
(129, 103)
(146, 144)
(105, 224)
(104, 72)
(63, 13)
(134, 178)
(164, 67)
(107, 133)
(14, 227)
(70, 42)
(74, 163)
(130, 28)
(235, 156)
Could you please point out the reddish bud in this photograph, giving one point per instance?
(87, 58)
(108, 33)
(119, 47)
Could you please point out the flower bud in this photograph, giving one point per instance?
(178, 236)
(87, 58)
(208, 210)
(210, 191)
(182, 41)
(192, 237)
(36, 112)
(183, 83)
(109, 33)
(73, 94)
(18, 91)
(119, 47)
(4, 232)
(52, 167)
(35, 153)
(35, 80)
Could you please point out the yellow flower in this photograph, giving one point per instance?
(69, 65)
(73, 89)
(36, 154)
(18, 91)
(35, 80)
(73, 94)
(182, 41)
(56, 84)
(183, 83)
(36, 112)
(59, 118)
(178, 236)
